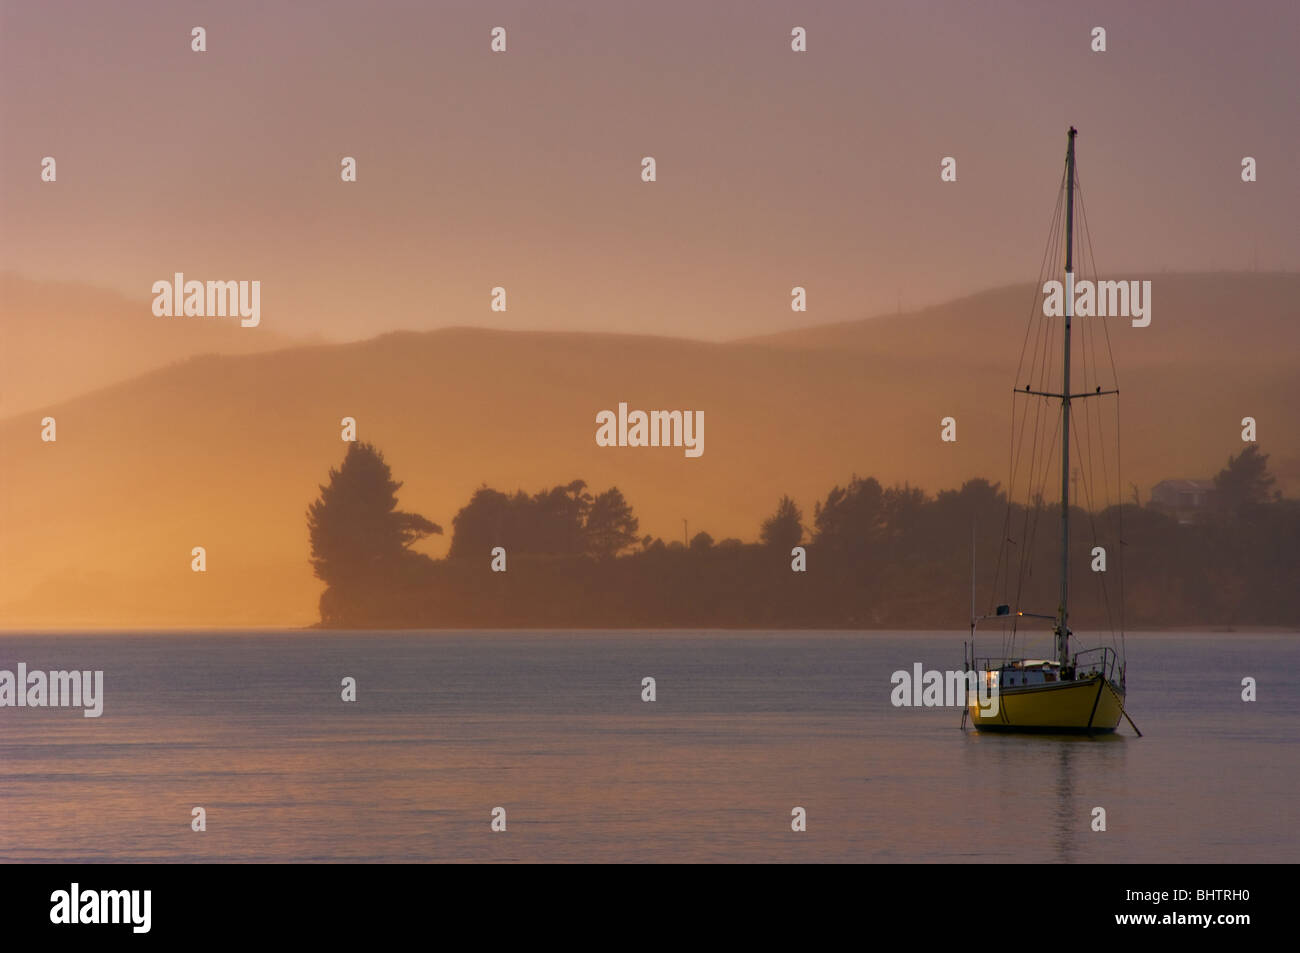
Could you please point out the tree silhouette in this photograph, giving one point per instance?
(557, 519)
(360, 541)
(487, 520)
(784, 528)
(1243, 481)
(899, 557)
(561, 521)
(610, 527)
(851, 518)
(551, 522)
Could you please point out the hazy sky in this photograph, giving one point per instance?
(522, 169)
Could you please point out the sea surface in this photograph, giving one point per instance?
(746, 726)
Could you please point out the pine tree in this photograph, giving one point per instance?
(360, 541)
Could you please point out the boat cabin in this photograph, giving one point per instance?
(1030, 671)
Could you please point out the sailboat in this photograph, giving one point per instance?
(1072, 689)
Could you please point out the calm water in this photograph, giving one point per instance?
(551, 726)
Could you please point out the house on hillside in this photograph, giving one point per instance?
(1188, 501)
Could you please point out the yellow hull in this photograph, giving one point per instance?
(1094, 704)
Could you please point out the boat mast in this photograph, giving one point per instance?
(1062, 625)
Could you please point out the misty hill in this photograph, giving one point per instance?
(227, 451)
(61, 339)
(1240, 318)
